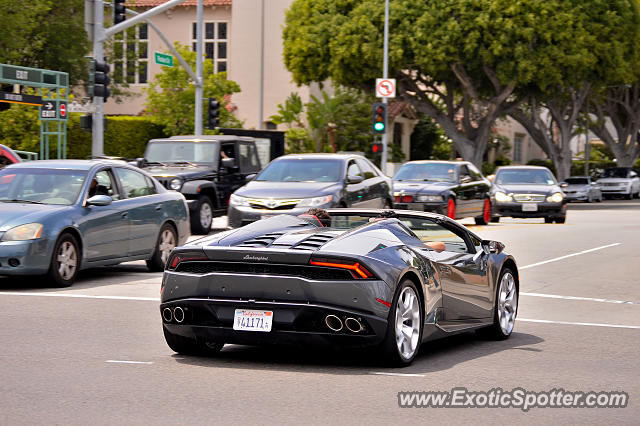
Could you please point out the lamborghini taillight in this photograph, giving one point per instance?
(357, 269)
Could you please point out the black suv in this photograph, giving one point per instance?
(205, 169)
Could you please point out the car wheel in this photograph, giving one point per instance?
(65, 261)
(404, 329)
(451, 208)
(505, 307)
(561, 219)
(166, 242)
(629, 196)
(486, 213)
(186, 346)
(202, 216)
(548, 220)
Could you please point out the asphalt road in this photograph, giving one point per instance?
(95, 354)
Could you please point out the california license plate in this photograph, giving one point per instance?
(250, 320)
(530, 207)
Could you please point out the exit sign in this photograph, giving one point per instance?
(163, 59)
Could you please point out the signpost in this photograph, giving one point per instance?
(163, 59)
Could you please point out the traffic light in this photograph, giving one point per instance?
(214, 114)
(379, 118)
(118, 11)
(376, 148)
(99, 79)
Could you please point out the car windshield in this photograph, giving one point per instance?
(181, 152)
(302, 170)
(524, 177)
(438, 172)
(40, 186)
(577, 181)
(615, 172)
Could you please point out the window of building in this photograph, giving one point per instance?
(517, 147)
(215, 43)
(131, 55)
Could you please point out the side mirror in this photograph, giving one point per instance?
(252, 176)
(141, 162)
(228, 163)
(354, 179)
(563, 184)
(492, 247)
(99, 200)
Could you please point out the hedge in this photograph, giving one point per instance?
(124, 136)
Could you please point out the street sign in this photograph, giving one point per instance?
(385, 87)
(62, 110)
(19, 98)
(21, 74)
(163, 59)
(48, 110)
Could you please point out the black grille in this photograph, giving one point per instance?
(262, 207)
(304, 271)
(314, 242)
(261, 241)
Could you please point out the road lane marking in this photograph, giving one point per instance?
(588, 324)
(587, 299)
(568, 255)
(80, 296)
(115, 361)
(380, 373)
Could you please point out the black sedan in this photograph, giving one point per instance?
(291, 184)
(375, 278)
(527, 191)
(453, 188)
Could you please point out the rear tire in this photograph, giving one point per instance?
(486, 213)
(561, 219)
(548, 220)
(65, 261)
(404, 327)
(202, 216)
(166, 242)
(186, 346)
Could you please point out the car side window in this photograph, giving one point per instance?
(475, 173)
(354, 170)
(134, 184)
(465, 175)
(104, 185)
(429, 232)
(248, 158)
(368, 171)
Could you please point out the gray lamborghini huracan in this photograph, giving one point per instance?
(382, 278)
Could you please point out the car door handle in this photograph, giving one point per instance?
(125, 215)
(159, 207)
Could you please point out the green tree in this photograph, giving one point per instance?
(171, 94)
(45, 34)
(428, 141)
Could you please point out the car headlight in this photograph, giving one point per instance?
(555, 198)
(315, 201)
(430, 198)
(29, 231)
(237, 200)
(175, 184)
(501, 197)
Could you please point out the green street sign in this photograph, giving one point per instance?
(163, 59)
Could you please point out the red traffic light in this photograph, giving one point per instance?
(376, 148)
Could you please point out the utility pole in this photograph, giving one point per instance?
(385, 75)
(199, 48)
(97, 123)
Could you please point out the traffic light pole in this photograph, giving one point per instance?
(385, 72)
(199, 48)
(97, 124)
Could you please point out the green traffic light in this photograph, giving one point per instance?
(378, 127)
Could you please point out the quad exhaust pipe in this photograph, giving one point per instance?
(167, 315)
(333, 322)
(176, 314)
(353, 325)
